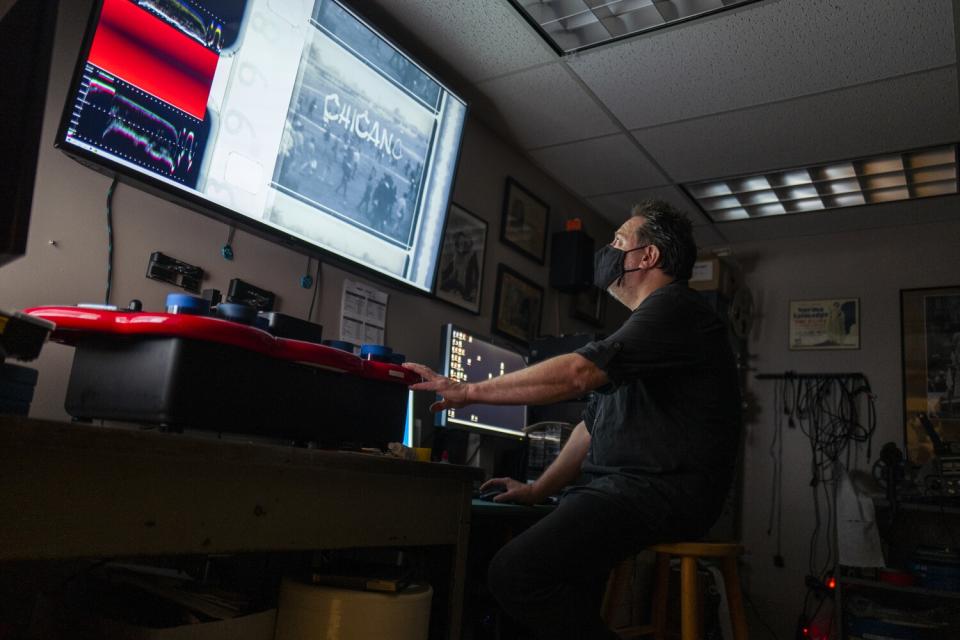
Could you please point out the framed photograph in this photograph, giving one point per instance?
(460, 276)
(589, 306)
(930, 332)
(516, 307)
(525, 221)
(825, 324)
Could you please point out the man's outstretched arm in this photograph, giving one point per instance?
(561, 378)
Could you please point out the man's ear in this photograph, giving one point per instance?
(652, 255)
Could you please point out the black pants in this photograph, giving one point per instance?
(551, 578)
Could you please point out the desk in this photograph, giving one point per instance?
(918, 524)
(75, 491)
(509, 512)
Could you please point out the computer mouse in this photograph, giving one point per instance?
(490, 494)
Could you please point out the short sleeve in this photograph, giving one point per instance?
(658, 335)
(590, 413)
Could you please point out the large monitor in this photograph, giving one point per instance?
(297, 120)
(469, 358)
(26, 43)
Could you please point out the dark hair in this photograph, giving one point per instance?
(668, 229)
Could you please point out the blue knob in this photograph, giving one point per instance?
(187, 304)
(376, 352)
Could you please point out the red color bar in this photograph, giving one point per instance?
(145, 51)
(76, 323)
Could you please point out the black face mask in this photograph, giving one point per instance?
(608, 265)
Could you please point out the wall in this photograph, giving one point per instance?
(66, 253)
(874, 265)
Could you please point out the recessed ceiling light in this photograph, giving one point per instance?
(888, 178)
(574, 25)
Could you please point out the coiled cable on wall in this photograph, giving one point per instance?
(113, 187)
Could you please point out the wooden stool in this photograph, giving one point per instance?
(690, 623)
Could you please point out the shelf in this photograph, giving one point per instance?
(951, 508)
(876, 584)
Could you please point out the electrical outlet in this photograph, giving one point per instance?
(176, 272)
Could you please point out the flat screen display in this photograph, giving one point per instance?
(469, 358)
(295, 118)
(26, 43)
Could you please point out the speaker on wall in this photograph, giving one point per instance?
(571, 261)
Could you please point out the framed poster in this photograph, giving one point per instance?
(930, 334)
(589, 305)
(824, 324)
(516, 307)
(460, 276)
(524, 222)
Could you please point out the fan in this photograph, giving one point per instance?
(890, 466)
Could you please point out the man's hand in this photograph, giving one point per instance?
(514, 491)
(453, 393)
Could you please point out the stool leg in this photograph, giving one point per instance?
(660, 594)
(689, 600)
(731, 581)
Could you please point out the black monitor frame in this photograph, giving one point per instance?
(442, 419)
(26, 44)
(147, 183)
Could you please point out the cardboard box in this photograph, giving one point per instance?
(712, 274)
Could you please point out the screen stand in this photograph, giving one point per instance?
(498, 457)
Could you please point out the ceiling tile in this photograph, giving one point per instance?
(893, 214)
(546, 106)
(615, 207)
(600, 165)
(764, 52)
(867, 120)
(480, 40)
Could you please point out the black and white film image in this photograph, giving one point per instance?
(354, 144)
(942, 328)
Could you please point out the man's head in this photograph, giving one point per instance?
(670, 231)
(652, 248)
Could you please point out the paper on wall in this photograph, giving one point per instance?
(363, 313)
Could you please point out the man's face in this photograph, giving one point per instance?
(625, 239)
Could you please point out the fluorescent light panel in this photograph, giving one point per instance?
(888, 178)
(574, 25)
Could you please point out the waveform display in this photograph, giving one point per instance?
(125, 122)
(151, 54)
(205, 29)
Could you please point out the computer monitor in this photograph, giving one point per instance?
(470, 358)
(26, 43)
(298, 121)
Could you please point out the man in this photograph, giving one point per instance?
(657, 444)
(461, 273)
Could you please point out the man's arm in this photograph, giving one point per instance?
(561, 378)
(563, 471)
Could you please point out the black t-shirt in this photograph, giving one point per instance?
(665, 431)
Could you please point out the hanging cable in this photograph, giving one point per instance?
(776, 482)
(837, 414)
(113, 187)
(227, 249)
(316, 287)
